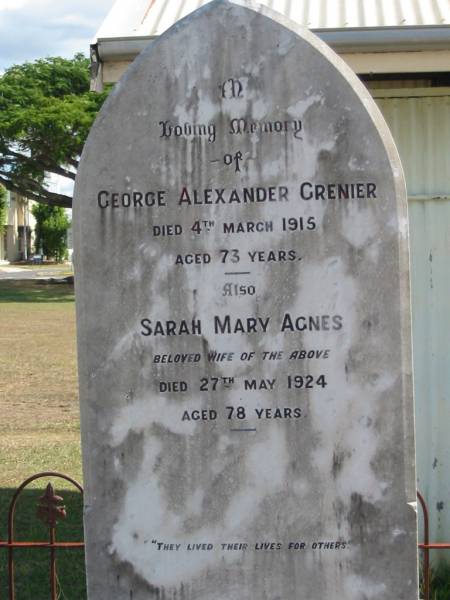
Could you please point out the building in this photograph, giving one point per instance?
(17, 241)
(401, 51)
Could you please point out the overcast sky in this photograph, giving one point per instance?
(31, 29)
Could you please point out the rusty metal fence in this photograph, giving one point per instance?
(50, 510)
(426, 546)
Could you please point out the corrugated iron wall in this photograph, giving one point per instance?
(430, 264)
(421, 128)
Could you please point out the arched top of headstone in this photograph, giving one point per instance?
(288, 50)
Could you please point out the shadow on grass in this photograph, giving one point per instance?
(32, 291)
(32, 566)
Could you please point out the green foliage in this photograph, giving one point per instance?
(3, 209)
(52, 224)
(46, 111)
(440, 582)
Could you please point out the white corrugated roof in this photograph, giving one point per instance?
(153, 17)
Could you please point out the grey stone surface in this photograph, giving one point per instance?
(245, 379)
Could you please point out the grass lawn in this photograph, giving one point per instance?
(39, 429)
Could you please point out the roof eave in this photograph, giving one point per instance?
(367, 39)
(386, 39)
(121, 48)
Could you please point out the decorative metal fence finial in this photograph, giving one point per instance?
(49, 511)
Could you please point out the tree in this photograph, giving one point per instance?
(46, 111)
(52, 224)
(3, 209)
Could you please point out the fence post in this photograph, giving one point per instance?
(49, 510)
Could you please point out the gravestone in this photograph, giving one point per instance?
(244, 325)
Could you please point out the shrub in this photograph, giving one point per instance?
(52, 224)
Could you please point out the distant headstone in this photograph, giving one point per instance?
(244, 325)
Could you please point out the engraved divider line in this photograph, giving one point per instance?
(238, 273)
(247, 429)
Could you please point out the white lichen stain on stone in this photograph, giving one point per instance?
(372, 251)
(355, 163)
(203, 111)
(301, 487)
(119, 350)
(335, 417)
(299, 109)
(148, 411)
(134, 272)
(356, 585)
(393, 224)
(263, 474)
(259, 108)
(194, 503)
(403, 228)
(358, 227)
(396, 533)
(285, 44)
